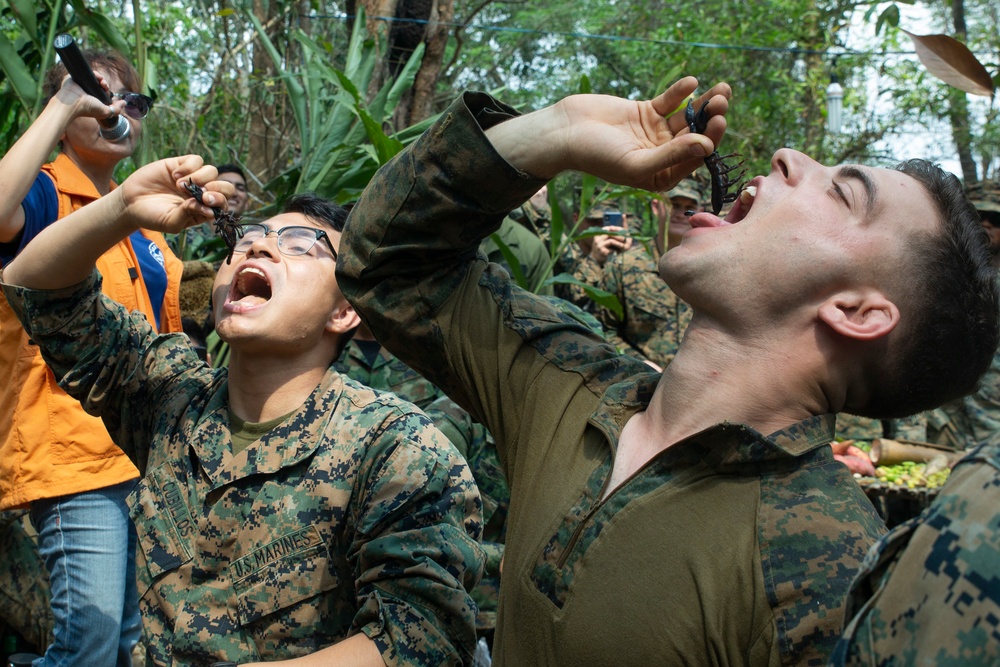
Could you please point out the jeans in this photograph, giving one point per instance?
(88, 544)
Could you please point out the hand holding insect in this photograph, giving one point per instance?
(227, 224)
(156, 197)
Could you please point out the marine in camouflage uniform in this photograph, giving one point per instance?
(654, 319)
(383, 371)
(929, 592)
(640, 576)
(348, 517)
(854, 427)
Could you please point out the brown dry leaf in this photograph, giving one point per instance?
(951, 61)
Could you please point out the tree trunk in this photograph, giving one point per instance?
(958, 111)
(425, 83)
(263, 109)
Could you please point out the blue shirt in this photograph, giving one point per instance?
(41, 209)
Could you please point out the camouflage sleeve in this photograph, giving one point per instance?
(411, 246)
(929, 591)
(104, 356)
(416, 554)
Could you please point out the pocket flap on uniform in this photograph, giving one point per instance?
(287, 570)
(164, 525)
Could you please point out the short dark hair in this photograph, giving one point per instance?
(952, 329)
(110, 61)
(317, 209)
(231, 169)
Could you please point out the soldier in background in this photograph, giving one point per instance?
(653, 318)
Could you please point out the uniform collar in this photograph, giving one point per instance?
(285, 445)
(732, 443)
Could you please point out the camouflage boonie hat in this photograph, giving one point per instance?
(985, 196)
(687, 188)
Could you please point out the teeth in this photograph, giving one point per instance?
(251, 269)
(748, 194)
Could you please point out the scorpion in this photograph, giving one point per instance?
(715, 163)
(227, 225)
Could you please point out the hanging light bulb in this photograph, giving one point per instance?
(834, 105)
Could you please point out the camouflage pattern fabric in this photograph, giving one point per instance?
(473, 442)
(532, 254)
(853, 427)
(929, 592)
(654, 318)
(387, 373)
(24, 581)
(354, 515)
(476, 444)
(730, 547)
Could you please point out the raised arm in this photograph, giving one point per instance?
(20, 166)
(153, 197)
(642, 144)
(409, 260)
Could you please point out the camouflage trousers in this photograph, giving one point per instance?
(24, 581)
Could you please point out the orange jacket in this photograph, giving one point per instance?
(48, 445)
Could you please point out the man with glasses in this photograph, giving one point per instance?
(54, 458)
(285, 510)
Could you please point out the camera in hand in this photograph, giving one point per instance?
(115, 128)
(612, 219)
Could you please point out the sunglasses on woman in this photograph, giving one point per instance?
(137, 105)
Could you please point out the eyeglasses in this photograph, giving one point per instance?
(137, 105)
(292, 241)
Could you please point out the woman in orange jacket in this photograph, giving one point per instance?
(54, 458)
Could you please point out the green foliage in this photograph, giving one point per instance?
(341, 138)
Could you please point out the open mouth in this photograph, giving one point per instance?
(251, 287)
(742, 204)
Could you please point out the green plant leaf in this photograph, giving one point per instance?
(598, 296)
(513, 263)
(21, 79)
(24, 11)
(103, 26)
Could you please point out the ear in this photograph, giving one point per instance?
(860, 315)
(342, 318)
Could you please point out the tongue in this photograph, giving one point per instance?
(252, 300)
(706, 219)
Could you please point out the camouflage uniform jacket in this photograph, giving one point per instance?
(387, 373)
(476, 444)
(654, 318)
(354, 515)
(929, 592)
(730, 547)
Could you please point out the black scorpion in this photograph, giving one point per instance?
(715, 163)
(227, 225)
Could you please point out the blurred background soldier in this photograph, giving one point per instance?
(653, 318)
